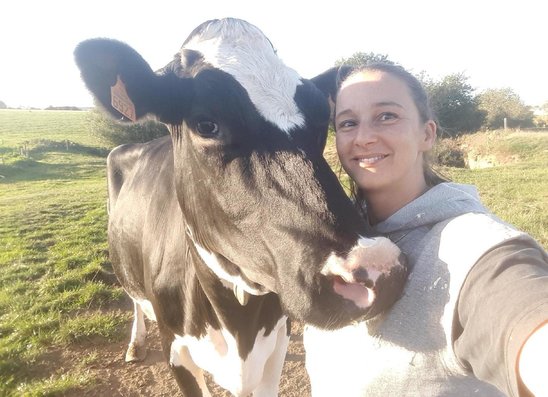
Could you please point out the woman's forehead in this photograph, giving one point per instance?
(375, 86)
(364, 75)
(375, 77)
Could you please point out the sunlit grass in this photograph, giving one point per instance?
(55, 277)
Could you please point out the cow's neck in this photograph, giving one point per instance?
(260, 313)
(241, 287)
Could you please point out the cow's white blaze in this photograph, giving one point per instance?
(217, 353)
(244, 52)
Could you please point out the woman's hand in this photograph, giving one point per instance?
(533, 362)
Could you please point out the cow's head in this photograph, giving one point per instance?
(261, 205)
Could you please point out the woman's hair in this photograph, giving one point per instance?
(420, 98)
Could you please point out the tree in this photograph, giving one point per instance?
(541, 115)
(114, 133)
(363, 59)
(3, 105)
(502, 103)
(454, 104)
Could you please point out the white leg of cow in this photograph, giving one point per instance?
(180, 357)
(137, 350)
(273, 368)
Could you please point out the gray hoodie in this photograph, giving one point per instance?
(408, 350)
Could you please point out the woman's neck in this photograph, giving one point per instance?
(383, 203)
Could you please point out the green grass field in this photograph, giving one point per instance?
(56, 284)
(516, 190)
(55, 279)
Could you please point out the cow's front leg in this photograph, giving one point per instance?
(272, 373)
(137, 349)
(188, 375)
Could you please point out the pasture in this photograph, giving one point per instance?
(64, 319)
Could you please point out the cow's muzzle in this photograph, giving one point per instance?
(371, 276)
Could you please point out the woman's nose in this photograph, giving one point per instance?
(365, 135)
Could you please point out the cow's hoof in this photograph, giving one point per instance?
(135, 353)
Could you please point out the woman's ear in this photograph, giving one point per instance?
(430, 130)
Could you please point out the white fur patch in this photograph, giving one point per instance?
(180, 357)
(243, 51)
(212, 262)
(217, 353)
(377, 254)
(146, 307)
(138, 329)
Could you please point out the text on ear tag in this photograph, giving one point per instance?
(120, 100)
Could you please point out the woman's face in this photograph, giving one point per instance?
(379, 134)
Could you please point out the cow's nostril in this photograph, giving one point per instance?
(361, 276)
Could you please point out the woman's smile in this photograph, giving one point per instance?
(370, 160)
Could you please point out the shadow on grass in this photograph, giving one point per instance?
(29, 170)
(42, 146)
(26, 164)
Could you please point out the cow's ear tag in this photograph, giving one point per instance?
(241, 295)
(121, 101)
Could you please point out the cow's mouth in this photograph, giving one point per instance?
(361, 294)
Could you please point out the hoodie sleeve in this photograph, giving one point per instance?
(502, 301)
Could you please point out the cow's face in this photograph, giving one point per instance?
(262, 208)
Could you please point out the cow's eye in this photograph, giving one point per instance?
(207, 128)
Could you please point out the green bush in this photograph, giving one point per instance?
(448, 153)
(113, 133)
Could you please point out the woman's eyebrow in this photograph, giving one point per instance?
(378, 104)
(343, 112)
(389, 103)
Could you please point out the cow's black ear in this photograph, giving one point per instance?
(125, 85)
(105, 64)
(328, 82)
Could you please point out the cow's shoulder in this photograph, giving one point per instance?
(137, 160)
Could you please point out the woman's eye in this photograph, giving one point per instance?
(207, 128)
(387, 116)
(346, 124)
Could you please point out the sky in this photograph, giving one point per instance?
(496, 44)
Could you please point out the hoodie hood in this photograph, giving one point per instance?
(441, 202)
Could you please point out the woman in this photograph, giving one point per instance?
(473, 318)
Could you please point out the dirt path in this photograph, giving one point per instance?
(152, 377)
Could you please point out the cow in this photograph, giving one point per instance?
(234, 222)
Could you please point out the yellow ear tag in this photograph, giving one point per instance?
(120, 100)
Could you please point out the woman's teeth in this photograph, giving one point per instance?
(364, 162)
